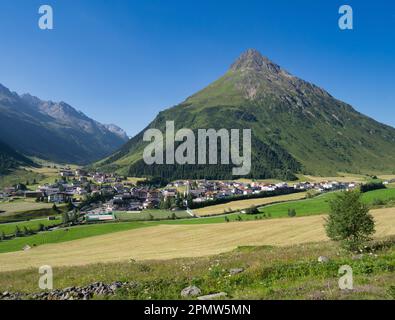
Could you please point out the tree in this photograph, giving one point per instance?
(17, 232)
(65, 218)
(55, 208)
(252, 210)
(291, 213)
(26, 231)
(70, 205)
(349, 221)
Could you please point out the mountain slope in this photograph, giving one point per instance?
(54, 131)
(296, 127)
(10, 159)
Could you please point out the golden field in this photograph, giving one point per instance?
(176, 241)
(243, 204)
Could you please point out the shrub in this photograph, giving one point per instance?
(349, 221)
(17, 232)
(252, 210)
(379, 202)
(291, 213)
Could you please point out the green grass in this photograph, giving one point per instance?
(69, 234)
(30, 215)
(18, 205)
(9, 228)
(385, 195)
(19, 176)
(317, 205)
(269, 273)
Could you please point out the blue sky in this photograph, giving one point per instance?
(124, 61)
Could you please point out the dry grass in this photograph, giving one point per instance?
(244, 204)
(387, 177)
(340, 178)
(177, 241)
(22, 205)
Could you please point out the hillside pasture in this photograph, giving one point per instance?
(9, 228)
(177, 241)
(26, 209)
(150, 215)
(244, 204)
(21, 205)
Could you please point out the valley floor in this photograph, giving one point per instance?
(176, 241)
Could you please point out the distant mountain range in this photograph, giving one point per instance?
(10, 159)
(54, 131)
(296, 127)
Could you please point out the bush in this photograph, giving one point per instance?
(379, 202)
(349, 221)
(18, 232)
(252, 210)
(291, 213)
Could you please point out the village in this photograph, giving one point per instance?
(101, 195)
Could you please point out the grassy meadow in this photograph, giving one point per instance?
(290, 272)
(243, 204)
(168, 241)
(305, 207)
(19, 210)
(9, 228)
(147, 215)
(68, 234)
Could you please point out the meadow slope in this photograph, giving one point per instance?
(176, 241)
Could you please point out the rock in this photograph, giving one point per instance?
(191, 291)
(213, 296)
(6, 294)
(116, 285)
(236, 271)
(26, 248)
(357, 257)
(323, 259)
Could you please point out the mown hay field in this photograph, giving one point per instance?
(179, 241)
(10, 207)
(243, 204)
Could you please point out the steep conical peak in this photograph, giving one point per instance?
(253, 60)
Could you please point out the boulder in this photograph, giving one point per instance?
(323, 259)
(236, 271)
(191, 291)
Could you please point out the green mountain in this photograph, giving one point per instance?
(11, 159)
(296, 126)
(54, 131)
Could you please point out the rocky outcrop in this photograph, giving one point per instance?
(72, 293)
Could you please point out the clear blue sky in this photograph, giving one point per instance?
(124, 61)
